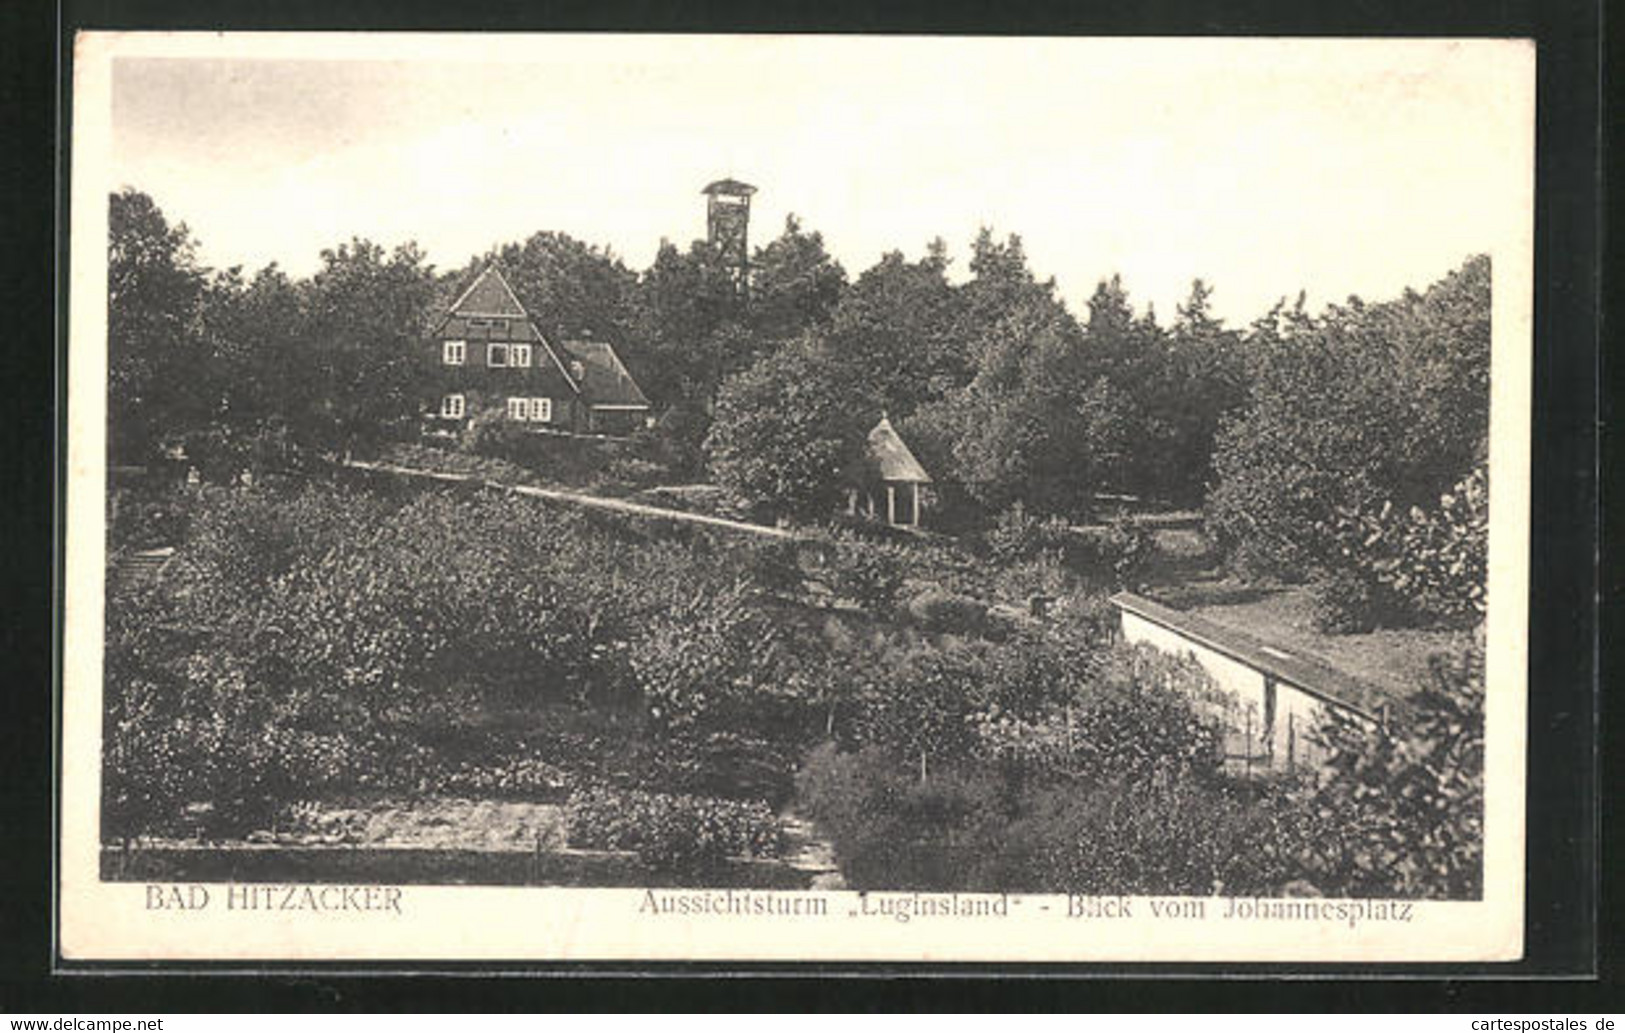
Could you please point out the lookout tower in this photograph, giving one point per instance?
(727, 223)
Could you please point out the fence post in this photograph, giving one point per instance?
(1247, 745)
(1291, 742)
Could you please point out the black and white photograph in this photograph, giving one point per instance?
(797, 497)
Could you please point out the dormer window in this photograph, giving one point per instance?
(454, 352)
(496, 355)
(578, 372)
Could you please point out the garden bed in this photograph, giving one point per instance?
(447, 839)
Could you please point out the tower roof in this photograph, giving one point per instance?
(729, 186)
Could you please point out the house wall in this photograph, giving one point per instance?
(616, 421)
(487, 387)
(1296, 712)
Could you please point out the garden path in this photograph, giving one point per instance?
(583, 499)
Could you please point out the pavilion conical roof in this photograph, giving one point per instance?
(891, 457)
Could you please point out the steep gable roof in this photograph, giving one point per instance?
(489, 295)
(891, 458)
(604, 381)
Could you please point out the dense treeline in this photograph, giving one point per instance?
(1329, 447)
(1014, 396)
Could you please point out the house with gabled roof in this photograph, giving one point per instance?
(488, 356)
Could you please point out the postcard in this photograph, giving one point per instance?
(558, 497)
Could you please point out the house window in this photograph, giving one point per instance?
(478, 322)
(453, 353)
(519, 355)
(534, 410)
(496, 355)
(451, 407)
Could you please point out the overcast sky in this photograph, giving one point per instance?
(1263, 167)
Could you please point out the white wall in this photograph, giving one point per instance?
(1296, 712)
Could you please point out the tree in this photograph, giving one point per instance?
(368, 314)
(898, 322)
(256, 340)
(795, 284)
(1033, 424)
(1440, 346)
(787, 427)
(157, 381)
(1365, 405)
(682, 301)
(1203, 383)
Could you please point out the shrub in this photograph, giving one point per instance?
(868, 573)
(702, 655)
(976, 830)
(720, 762)
(1432, 560)
(1133, 713)
(150, 519)
(1118, 552)
(528, 778)
(772, 565)
(945, 613)
(1166, 836)
(891, 830)
(1091, 614)
(1348, 602)
(1014, 536)
(489, 433)
(150, 765)
(675, 441)
(917, 704)
(1393, 568)
(1405, 807)
(672, 832)
(1043, 575)
(294, 638)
